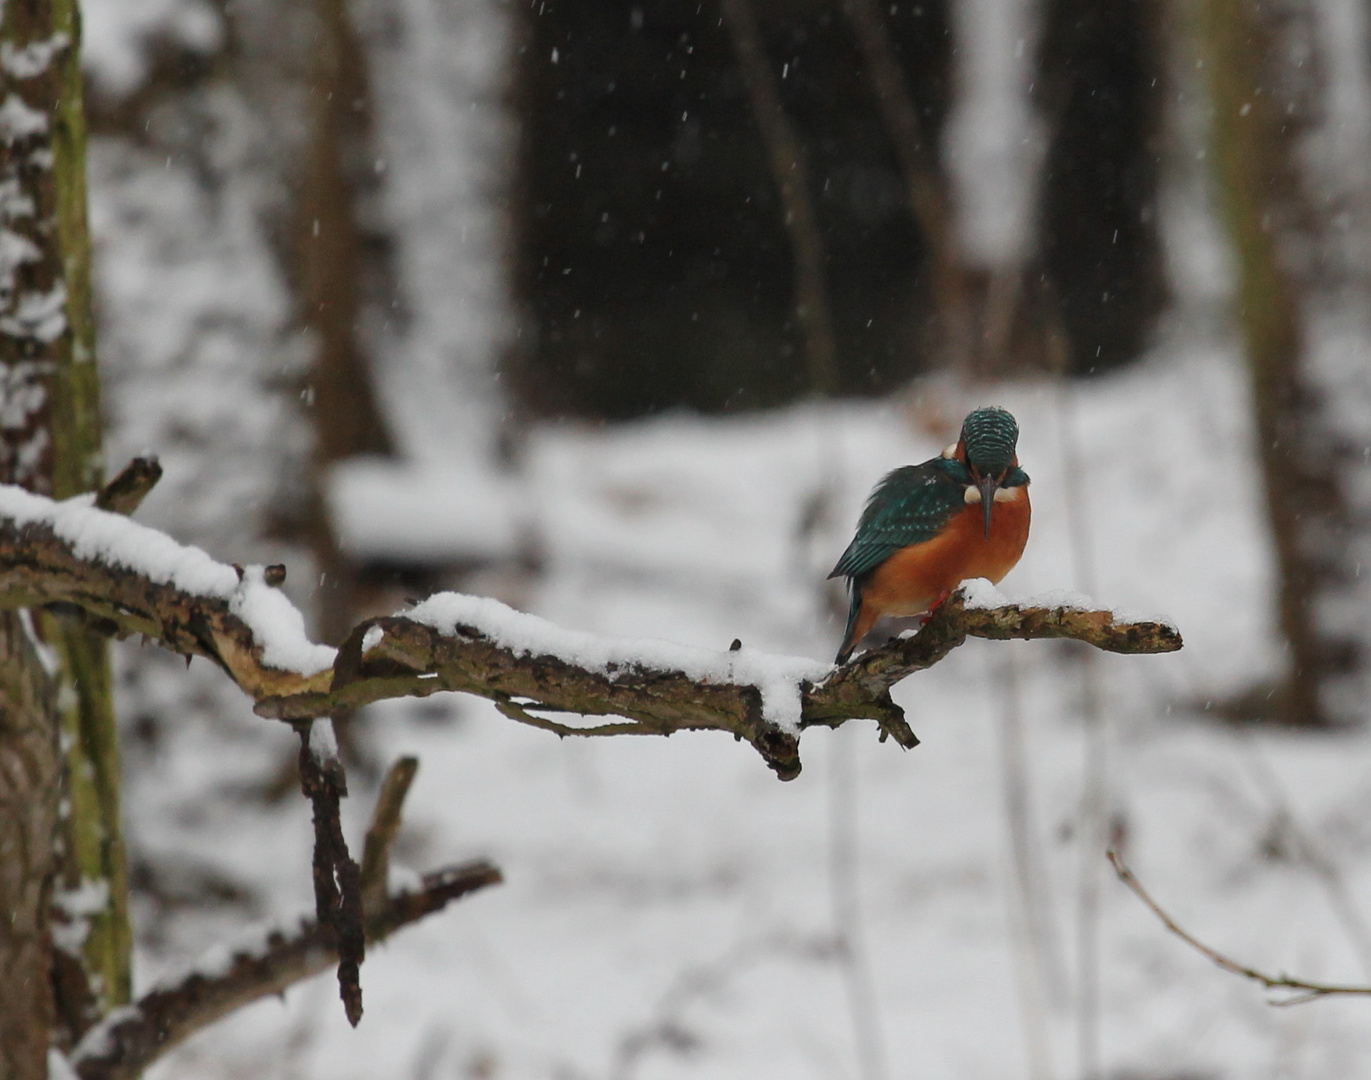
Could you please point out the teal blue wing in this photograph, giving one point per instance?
(911, 505)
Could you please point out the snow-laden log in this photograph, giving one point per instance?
(130, 579)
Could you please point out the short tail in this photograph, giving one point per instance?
(850, 633)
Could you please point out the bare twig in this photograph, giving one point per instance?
(40, 566)
(1304, 989)
(337, 878)
(385, 822)
(130, 1039)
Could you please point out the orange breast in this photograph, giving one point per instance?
(916, 578)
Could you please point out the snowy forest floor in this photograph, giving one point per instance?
(669, 906)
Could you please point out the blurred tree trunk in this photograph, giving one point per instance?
(1098, 86)
(50, 443)
(791, 175)
(338, 258)
(1079, 283)
(1262, 83)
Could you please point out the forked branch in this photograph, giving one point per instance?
(129, 1039)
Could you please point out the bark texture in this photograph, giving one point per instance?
(30, 770)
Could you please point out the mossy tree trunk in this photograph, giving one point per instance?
(50, 443)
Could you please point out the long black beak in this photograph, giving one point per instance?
(988, 485)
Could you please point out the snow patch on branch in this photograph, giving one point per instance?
(979, 595)
(59, 1068)
(323, 743)
(278, 626)
(777, 678)
(96, 1042)
(118, 542)
(253, 942)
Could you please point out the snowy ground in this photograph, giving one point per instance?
(670, 906)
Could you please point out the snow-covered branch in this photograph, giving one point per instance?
(129, 579)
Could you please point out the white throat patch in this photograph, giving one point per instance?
(972, 494)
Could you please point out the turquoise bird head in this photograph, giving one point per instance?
(987, 447)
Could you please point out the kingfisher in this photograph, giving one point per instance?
(927, 528)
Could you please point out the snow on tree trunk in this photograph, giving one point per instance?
(445, 144)
(189, 190)
(341, 266)
(1049, 146)
(994, 139)
(444, 140)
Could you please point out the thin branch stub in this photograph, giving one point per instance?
(126, 492)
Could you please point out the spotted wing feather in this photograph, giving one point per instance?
(911, 505)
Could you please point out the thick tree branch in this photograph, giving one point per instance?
(129, 1039)
(129, 579)
(1302, 990)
